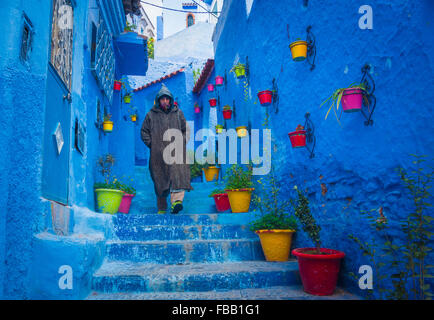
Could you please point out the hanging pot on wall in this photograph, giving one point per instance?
(117, 85)
(298, 138)
(241, 131)
(219, 128)
(133, 118)
(298, 50)
(240, 70)
(227, 112)
(210, 87)
(219, 81)
(212, 102)
(127, 98)
(265, 97)
(107, 126)
(196, 109)
(352, 99)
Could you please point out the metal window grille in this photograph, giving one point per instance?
(26, 38)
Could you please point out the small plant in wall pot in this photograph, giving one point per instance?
(227, 112)
(298, 137)
(319, 267)
(239, 69)
(127, 98)
(107, 124)
(350, 97)
(298, 50)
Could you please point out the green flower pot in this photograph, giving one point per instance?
(127, 99)
(240, 71)
(108, 200)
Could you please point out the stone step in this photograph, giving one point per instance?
(195, 232)
(119, 276)
(185, 251)
(184, 219)
(294, 292)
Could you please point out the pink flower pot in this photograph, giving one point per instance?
(196, 109)
(125, 203)
(218, 81)
(210, 87)
(352, 100)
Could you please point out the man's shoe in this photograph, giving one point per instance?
(176, 207)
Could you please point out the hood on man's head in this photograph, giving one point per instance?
(164, 91)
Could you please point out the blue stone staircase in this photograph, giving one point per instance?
(196, 254)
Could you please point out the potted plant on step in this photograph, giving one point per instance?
(107, 124)
(108, 193)
(239, 187)
(319, 267)
(196, 171)
(221, 199)
(298, 137)
(227, 112)
(129, 193)
(275, 227)
(210, 169)
(350, 97)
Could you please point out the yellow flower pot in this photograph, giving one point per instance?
(240, 199)
(276, 244)
(241, 131)
(133, 118)
(211, 173)
(107, 126)
(298, 50)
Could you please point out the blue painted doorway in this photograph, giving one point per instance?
(55, 168)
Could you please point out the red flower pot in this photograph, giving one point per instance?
(210, 87)
(117, 85)
(125, 203)
(196, 109)
(222, 202)
(298, 138)
(319, 272)
(213, 102)
(227, 114)
(218, 81)
(265, 97)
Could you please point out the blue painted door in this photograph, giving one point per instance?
(55, 168)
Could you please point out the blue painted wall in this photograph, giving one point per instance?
(354, 162)
(21, 128)
(29, 246)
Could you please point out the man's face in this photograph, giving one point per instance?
(164, 102)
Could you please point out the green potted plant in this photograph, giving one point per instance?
(239, 187)
(350, 97)
(108, 193)
(239, 69)
(129, 27)
(221, 199)
(319, 267)
(127, 97)
(196, 172)
(275, 227)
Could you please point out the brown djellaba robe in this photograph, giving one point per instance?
(157, 121)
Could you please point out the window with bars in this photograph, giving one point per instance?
(61, 40)
(26, 38)
(102, 58)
